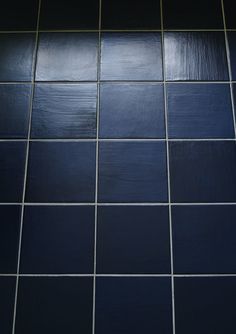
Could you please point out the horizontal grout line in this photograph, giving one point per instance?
(119, 204)
(137, 30)
(160, 82)
(118, 275)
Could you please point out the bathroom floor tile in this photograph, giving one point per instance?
(229, 14)
(232, 48)
(7, 292)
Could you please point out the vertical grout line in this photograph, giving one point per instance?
(26, 165)
(168, 167)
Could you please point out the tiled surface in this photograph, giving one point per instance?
(7, 291)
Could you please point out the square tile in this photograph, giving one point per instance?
(197, 56)
(131, 56)
(132, 172)
(54, 305)
(232, 49)
(131, 14)
(58, 240)
(67, 57)
(133, 305)
(229, 6)
(203, 171)
(64, 111)
(204, 239)
(10, 217)
(131, 111)
(61, 172)
(205, 305)
(16, 56)
(199, 111)
(133, 240)
(12, 168)
(7, 292)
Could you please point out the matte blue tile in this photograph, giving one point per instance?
(199, 111)
(16, 56)
(7, 292)
(12, 166)
(131, 56)
(64, 111)
(54, 305)
(61, 172)
(203, 171)
(67, 57)
(229, 6)
(232, 49)
(58, 240)
(133, 305)
(205, 305)
(204, 239)
(131, 111)
(132, 172)
(195, 56)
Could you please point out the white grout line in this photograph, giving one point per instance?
(118, 275)
(109, 30)
(118, 82)
(122, 204)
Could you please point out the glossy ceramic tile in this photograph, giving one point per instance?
(67, 57)
(205, 305)
(133, 240)
(69, 14)
(7, 291)
(197, 56)
(12, 166)
(131, 56)
(16, 56)
(61, 172)
(229, 6)
(203, 171)
(203, 239)
(58, 240)
(131, 14)
(54, 304)
(199, 111)
(133, 305)
(64, 111)
(132, 172)
(232, 48)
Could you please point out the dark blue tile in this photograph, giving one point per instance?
(61, 172)
(132, 111)
(133, 305)
(203, 171)
(12, 166)
(195, 56)
(16, 56)
(131, 56)
(204, 239)
(7, 292)
(54, 305)
(14, 111)
(199, 111)
(232, 49)
(64, 111)
(9, 238)
(205, 305)
(133, 240)
(132, 172)
(131, 14)
(67, 57)
(229, 6)
(58, 240)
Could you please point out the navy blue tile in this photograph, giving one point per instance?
(133, 240)
(133, 305)
(16, 56)
(54, 305)
(195, 56)
(132, 172)
(14, 111)
(204, 239)
(64, 111)
(229, 6)
(69, 14)
(67, 57)
(185, 14)
(12, 165)
(205, 305)
(9, 238)
(199, 111)
(58, 239)
(7, 292)
(132, 111)
(203, 171)
(131, 56)
(61, 172)
(131, 14)
(232, 49)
